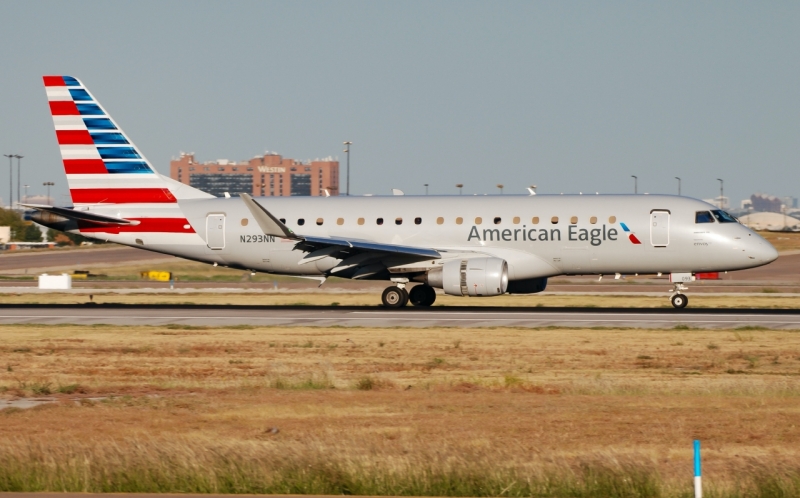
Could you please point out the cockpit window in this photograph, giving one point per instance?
(724, 217)
(703, 217)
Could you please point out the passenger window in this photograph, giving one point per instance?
(535, 220)
(301, 222)
(554, 220)
(319, 221)
(703, 217)
(516, 220)
(417, 221)
(573, 220)
(459, 220)
(398, 221)
(379, 221)
(612, 219)
(497, 220)
(283, 220)
(340, 221)
(361, 221)
(724, 217)
(439, 220)
(478, 220)
(593, 220)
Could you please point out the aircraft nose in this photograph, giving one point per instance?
(763, 252)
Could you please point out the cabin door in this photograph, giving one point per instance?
(215, 231)
(659, 228)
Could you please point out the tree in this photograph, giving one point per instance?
(9, 218)
(31, 233)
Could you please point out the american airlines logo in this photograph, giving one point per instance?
(271, 169)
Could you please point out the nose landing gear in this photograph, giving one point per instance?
(678, 299)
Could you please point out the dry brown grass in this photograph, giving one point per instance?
(783, 241)
(345, 298)
(521, 398)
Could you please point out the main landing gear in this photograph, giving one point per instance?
(678, 299)
(397, 296)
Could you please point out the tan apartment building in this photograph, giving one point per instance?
(267, 175)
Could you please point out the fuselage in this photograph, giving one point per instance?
(539, 236)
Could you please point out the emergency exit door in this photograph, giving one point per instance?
(659, 228)
(215, 231)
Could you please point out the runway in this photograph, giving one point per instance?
(226, 316)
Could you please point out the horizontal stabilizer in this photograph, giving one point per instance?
(73, 214)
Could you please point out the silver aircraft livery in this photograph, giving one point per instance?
(465, 245)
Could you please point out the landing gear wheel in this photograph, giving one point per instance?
(394, 297)
(422, 295)
(679, 301)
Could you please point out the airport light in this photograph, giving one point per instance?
(48, 185)
(721, 191)
(500, 186)
(635, 184)
(459, 186)
(19, 160)
(679, 185)
(10, 179)
(347, 151)
(426, 189)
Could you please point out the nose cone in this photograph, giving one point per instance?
(761, 251)
(767, 253)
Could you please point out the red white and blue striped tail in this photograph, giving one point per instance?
(102, 165)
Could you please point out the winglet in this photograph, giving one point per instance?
(268, 223)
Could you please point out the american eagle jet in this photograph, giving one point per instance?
(467, 246)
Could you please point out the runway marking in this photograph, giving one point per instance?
(556, 313)
(260, 318)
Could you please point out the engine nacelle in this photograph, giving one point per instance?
(527, 286)
(471, 277)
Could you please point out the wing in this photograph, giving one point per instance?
(360, 258)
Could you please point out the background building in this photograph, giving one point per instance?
(267, 175)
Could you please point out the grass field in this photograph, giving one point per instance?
(345, 298)
(437, 412)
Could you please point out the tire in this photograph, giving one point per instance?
(679, 301)
(422, 295)
(394, 297)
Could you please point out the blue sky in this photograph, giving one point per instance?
(571, 96)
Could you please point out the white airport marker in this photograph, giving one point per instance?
(698, 483)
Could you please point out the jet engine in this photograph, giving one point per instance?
(470, 277)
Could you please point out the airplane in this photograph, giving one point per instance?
(474, 246)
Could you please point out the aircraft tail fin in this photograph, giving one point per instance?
(102, 164)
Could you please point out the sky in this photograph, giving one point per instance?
(569, 96)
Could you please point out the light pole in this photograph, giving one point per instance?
(679, 185)
(721, 192)
(426, 189)
(48, 185)
(500, 186)
(347, 151)
(459, 186)
(19, 160)
(10, 180)
(635, 184)
(26, 192)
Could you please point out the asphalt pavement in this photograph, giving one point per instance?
(221, 316)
